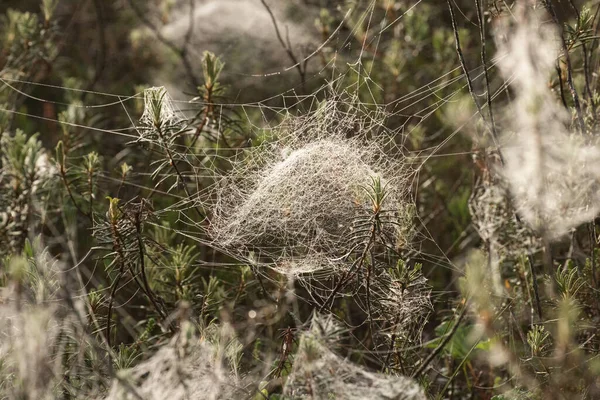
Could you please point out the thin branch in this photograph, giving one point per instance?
(90, 180)
(586, 69)
(63, 176)
(180, 177)
(461, 58)
(576, 103)
(181, 52)
(463, 65)
(286, 46)
(486, 76)
(560, 85)
(113, 292)
(592, 229)
(190, 30)
(443, 343)
(369, 313)
(536, 290)
(142, 253)
(354, 268)
(101, 59)
(205, 117)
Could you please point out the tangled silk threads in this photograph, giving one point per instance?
(550, 167)
(320, 373)
(189, 367)
(298, 202)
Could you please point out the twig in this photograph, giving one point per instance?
(173, 163)
(181, 52)
(90, 179)
(536, 291)
(287, 47)
(456, 371)
(205, 117)
(486, 77)
(560, 85)
(370, 314)
(354, 268)
(444, 342)
(463, 65)
(142, 254)
(101, 60)
(592, 227)
(576, 103)
(586, 74)
(391, 350)
(63, 176)
(190, 30)
(261, 283)
(585, 63)
(113, 292)
(120, 258)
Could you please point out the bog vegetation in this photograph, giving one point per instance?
(400, 202)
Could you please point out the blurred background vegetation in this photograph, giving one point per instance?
(72, 76)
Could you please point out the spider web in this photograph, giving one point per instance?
(291, 202)
(425, 99)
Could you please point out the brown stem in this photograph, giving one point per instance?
(354, 268)
(536, 291)
(63, 176)
(177, 171)
(142, 252)
(207, 112)
(113, 291)
(443, 343)
(486, 77)
(570, 83)
(121, 260)
(181, 52)
(463, 65)
(286, 47)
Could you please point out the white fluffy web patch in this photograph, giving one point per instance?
(305, 201)
(41, 339)
(298, 202)
(494, 218)
(319, 373)
(407, 306)
(26, 358)
(186, 368)
(159, 106)
(552, 171)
